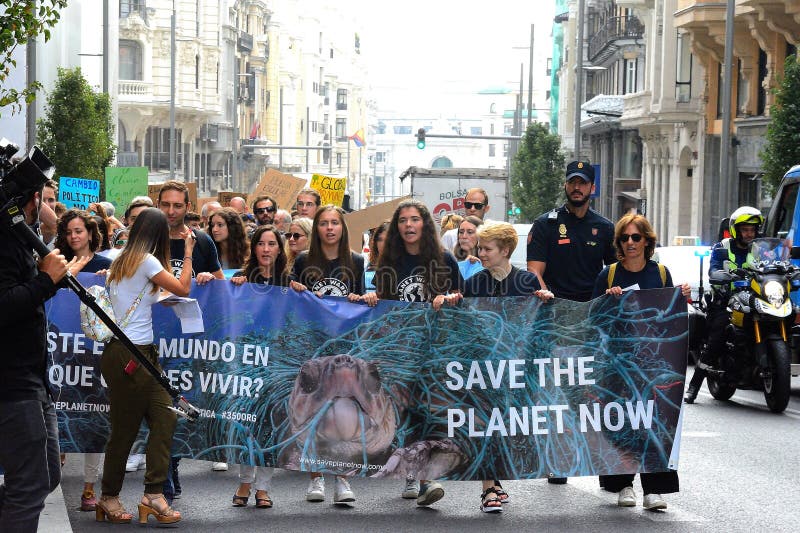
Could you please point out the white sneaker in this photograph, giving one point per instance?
(411, 490)
(219, 467)
(136, 461)
(627, 497)
(316, 490)
(653, 502)
(342, 493)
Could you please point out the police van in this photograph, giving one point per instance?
(783, 221)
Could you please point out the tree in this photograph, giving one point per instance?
(20, 21)
(782, 149)
(537, 172)
(77, 132)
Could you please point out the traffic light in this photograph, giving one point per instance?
(514, 211)
(421, 138)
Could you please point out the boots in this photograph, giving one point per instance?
(694, 385)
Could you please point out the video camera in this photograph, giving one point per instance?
(20, 179)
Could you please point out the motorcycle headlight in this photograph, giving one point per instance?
(774, 292)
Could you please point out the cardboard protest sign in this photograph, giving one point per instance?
(224, 197)
(78, 192)
(364, 220)
(125, 183)
(329, 188)
(283, 188)
(153, 188)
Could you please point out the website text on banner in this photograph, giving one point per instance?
(505, 388)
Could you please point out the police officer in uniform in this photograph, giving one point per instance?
(568, 246)
(728, 254)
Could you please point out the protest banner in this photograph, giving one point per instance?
(123, 184)
(224, 197)
(78, 192)
(283, 188)
(363, 220)
(494, 388)
(153, 188)
(330, 189)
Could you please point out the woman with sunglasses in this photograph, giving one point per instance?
(227, 230)
(330, 268)
(413, 267)
(466, 250)
(297, 238)
(635, 243)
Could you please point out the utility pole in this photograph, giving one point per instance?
(530, 79)
(579, 77)
(172, 150)
(725, 185)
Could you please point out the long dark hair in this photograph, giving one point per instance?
(148, 235)
(373, 239)
(235, 247)
(316, 260)
(95, 238)
(394, 249)
(252, 268)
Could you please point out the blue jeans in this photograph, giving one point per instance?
(29, 454)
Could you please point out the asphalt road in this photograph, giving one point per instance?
(739, 471)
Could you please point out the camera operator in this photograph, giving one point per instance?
(29, 450)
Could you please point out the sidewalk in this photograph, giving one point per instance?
(54, 517)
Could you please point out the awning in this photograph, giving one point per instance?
(602, 108)
(631, 195)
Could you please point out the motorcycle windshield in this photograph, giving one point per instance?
(770, 250)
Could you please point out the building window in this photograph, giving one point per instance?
(549, 70)
(341, 129)
(338, 160)
(378, 188)
(742, 89)
(476, 130)
(156, 148)
(341, 99)
(491, 150)
(380, 157)
(683, 71)
(491, 129)
(629, 84)
(401, 130)
(442, 162)
(130, 60)
(761, 104)
(505, 149)
(197, 72)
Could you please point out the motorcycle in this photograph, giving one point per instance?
(758, 351)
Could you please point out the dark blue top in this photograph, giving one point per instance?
(204, 255)
(517, 283)
(647, 278)
(98, 262)
(574, 249)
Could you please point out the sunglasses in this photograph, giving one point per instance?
(261, 210)
(295, 236)
(474, 205)
(635, 237)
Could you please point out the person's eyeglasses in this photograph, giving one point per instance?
(295, 236)
(635, 237)
(261, 210)
(474, 205)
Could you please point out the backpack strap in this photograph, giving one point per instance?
(612, 269)
(662, 271)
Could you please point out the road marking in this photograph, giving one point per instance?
(791, 413)
(589, 485)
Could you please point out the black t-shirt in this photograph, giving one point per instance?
(517, 283)
(574, 250)
(332, 280)
(98, 262)
(411, 280)
(647, 278)
(256, 277)
(204, 255)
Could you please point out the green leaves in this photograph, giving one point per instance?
(537, 172)
(782, 150)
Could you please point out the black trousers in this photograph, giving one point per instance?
(29, 454)
(652, 483)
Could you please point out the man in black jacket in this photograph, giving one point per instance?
(29, 451)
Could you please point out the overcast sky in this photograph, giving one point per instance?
(424, 55)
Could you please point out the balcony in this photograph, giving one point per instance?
(135, 91)
(615, 33)
(127, 159)
(245, 42)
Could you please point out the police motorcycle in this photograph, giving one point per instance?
(757, 353)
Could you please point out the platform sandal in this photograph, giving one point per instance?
(109, 508)
(150, 505)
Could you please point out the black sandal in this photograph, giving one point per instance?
(241, 501)
(263, 503)
(503, 495)
(491, 504)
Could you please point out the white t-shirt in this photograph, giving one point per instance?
(140, 325)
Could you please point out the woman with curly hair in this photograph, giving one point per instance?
(227, 230)
(78, 235)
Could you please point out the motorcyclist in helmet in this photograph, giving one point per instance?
(728, 254)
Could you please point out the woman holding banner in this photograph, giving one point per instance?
(330, 268)
(635, 242)
(227, 230)
(413, 267)
(134, 394)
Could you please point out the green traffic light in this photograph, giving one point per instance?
(421, 145)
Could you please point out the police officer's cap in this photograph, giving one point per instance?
(582, 169)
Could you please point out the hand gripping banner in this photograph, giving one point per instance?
(494, 388)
